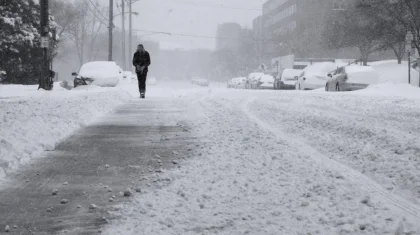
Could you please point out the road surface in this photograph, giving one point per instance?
(237, 162)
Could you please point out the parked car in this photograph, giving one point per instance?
(200, 81)
(287, 79)
(239, 82)
(252, 80)
(230, 83)
(315, 76)
(350, 78)
(129, 75)
(100, 73)
(266, 82)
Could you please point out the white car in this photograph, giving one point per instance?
(315, 76)
(287, 79)
(239, 82)
(252, 80)
(350, 78)
(100, 73)
(266, 82)
(129, 75)
(200, 81)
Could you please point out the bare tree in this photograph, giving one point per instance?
(84, 31)
(357, 28)
(406, 13)
(65, 13)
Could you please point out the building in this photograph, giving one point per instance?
(227, 36)
(256, 26)
(283, 21)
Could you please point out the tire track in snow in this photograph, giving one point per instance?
(405, 207)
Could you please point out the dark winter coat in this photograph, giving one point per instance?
(141, 59)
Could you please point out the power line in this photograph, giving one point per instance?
(104, 18)
(94, 14)
(185, 35)
(221, 6)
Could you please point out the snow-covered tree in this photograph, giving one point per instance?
(20, 52)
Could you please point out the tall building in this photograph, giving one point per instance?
(284, 16)
(227, 36)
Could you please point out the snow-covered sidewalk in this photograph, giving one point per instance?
(250, 178)
(32, 121)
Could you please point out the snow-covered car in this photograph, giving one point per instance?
(200, 81)
(151, 81)
(129, 75)
(252, 80)
(266, 82)
(232, 83)
(350, 78)
(239, 82)
(315, 76)
(100, 73)
(287, 79)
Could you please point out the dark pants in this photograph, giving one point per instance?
(141, 77)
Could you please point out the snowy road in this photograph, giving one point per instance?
(290, 163)
(249, 162)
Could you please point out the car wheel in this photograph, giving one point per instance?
(337, 87)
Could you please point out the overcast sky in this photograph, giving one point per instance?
(191, 17)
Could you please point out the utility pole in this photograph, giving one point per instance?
(409, 38)
(45, 79)
(123, 35)
(111, 25)
(130, 28)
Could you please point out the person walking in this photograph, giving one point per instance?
(141, 60)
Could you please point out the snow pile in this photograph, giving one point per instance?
(391, 71)
(33, 121)
(391, 90)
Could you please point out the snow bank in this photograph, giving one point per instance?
(391, 90)
(32, 121)
(391, 71)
